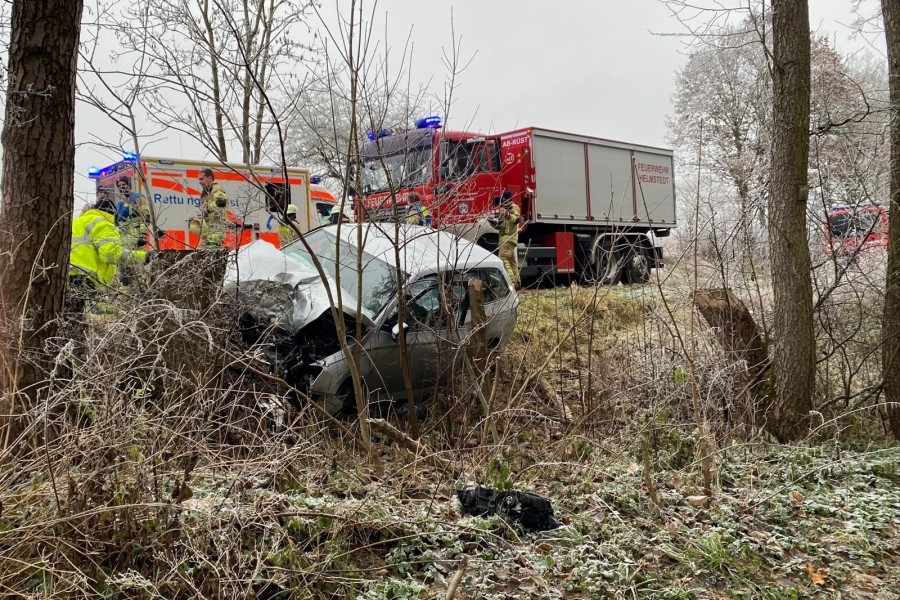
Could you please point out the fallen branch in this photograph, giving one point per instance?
(564, 412)
(456, 579)
(414, 446)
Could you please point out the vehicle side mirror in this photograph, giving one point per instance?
(444, 171)
(351, 191)
(397, 329)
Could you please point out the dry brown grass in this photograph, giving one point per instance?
(160, 465)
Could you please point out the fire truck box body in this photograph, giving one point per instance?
(586, 180)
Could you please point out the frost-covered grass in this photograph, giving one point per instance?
(159, 482)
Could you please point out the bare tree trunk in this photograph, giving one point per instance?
(890, 351)
(794, 356)
(37, 186)
(216, 84)
(268, 24)
(247, 84)
(736, 331)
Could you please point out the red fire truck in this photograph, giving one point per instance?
(591, 207)
(855, 229)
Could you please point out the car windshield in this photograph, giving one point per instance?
(407, 169)
(378, 277)
(852, 224)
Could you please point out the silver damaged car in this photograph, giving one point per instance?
(285, 307)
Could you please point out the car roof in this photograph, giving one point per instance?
(422, 250)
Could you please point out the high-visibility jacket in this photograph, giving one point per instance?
(97, 247)
(286, 234)
(418, 215)
(132, 207)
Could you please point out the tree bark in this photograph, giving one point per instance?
(794, 355)
(736, 331)
(210, 42)
(890, 350)
(37, 187)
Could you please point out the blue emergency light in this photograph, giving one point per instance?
(93, 172)
(315, 180)
(433, 121)
(374, 135)
(130, 156)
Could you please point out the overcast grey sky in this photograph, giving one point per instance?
(584, 66)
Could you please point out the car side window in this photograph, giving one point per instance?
(496, 282)
(494, 285)
(423, 303)
(458, 295)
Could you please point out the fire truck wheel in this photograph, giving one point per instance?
(637, 268)
(608, 263)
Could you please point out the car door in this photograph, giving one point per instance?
(500, 304)
(426, 322)
(422, 299)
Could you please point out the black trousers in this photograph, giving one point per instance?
(80, 294)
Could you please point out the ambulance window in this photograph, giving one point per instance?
(323, 212)
(278, 196)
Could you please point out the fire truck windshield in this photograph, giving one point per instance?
(846, 223)
(410, 168)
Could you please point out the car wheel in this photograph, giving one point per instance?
(637, 268)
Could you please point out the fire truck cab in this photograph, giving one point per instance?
(852, 229)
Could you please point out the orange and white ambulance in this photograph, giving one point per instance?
(257, 195)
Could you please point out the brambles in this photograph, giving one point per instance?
(170, 468)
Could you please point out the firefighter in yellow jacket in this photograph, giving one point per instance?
(97, 250)
(416, 212)
(286, 233)
(507, 223)
(211, 223)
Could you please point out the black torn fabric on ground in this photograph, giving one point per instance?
(531, 511)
